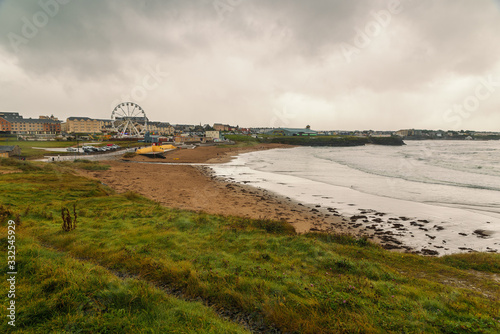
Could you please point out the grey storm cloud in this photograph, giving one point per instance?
(337, 64)
(89, 37)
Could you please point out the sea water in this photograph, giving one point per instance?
(452, 185)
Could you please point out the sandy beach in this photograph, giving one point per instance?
(183, 180)
(207, 154)
(194, 187)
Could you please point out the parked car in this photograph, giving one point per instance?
(89, 149)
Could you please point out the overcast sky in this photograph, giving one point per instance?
(366, 64)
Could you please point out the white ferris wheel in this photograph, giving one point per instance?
(129, 120)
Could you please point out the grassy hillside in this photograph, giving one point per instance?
(133, 265)
(241, 138)
(60, 293)
(241, 141)
(336, 140)
(317, 140)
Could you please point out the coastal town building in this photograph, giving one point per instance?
(260, 130)
(292, 132)
(221, 127)
(187, 139)
(160, 128)
(86, 125)
(9, 151)
(52, 117)
(13, 123)
(212, 134)
(94, 125)
(183, 128)
(404, 133)
(5, 124)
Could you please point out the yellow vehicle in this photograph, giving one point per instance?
(153, 151)
(168, 147)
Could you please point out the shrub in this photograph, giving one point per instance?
(9, 162)
(6, 214)
(69, 223)
(129, 155)
(339, 238)
(132, 196)
(279, 227)
(22, 165)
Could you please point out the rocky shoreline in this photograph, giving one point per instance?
(390, 231)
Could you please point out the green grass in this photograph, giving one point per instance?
(312, 283)
(241, 141)
(241, 138)
(29, 152)
(58, 293)
(12, 164)
(315, 140)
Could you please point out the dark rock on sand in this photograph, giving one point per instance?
(390, 246)
(482, 233)
(426, 251)
(356, 217)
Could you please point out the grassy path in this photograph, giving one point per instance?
(57, 293)
(239, 319)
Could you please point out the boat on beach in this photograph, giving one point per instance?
(156, 151)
